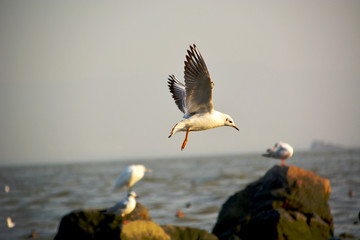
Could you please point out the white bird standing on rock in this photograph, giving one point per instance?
(194, 98)
(281, 151)
(130, 176)
(125, 206)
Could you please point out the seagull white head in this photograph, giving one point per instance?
(132, 194)
(230, 122)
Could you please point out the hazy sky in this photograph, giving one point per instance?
(87, 80)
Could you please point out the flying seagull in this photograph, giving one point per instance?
(281, 151)
(194, 98)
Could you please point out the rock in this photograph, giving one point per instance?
(187, 233)
(143, 230)
(96, 224)
(346, 236)
(286, 203)
(140, 213)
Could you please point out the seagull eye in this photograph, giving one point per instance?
(230, 121)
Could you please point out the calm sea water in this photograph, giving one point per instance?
(40, 195)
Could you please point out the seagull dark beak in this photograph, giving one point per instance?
(236, 128)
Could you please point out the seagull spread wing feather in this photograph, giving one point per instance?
(177, 90)
(198, 84)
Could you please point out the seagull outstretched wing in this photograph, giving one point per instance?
(198, 84)
(177, 90)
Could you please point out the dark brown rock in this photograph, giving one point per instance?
(96, 224)
(286, 203)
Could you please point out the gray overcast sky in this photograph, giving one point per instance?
(87, 80)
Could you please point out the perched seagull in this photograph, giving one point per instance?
(130, 176)
(281, 151)
(125, 206)
(194, 98)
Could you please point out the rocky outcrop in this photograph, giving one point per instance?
(141, 229)
(187, 233)
(151, 231)
(286, 203)
(96, 224)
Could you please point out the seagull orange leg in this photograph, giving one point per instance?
(282, 162)
(186, 139)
